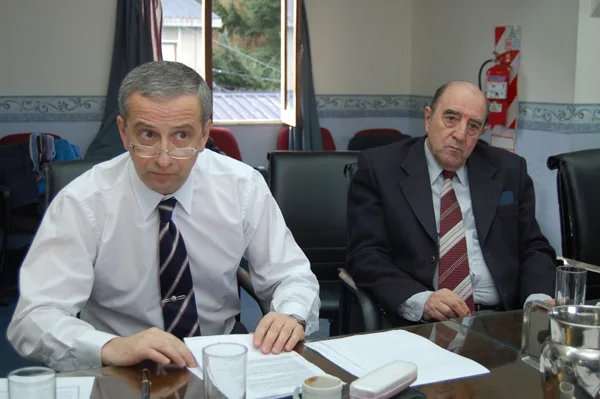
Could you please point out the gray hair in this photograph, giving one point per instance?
(165, 80)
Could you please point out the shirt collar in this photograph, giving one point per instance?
(435, 170)
(149, 199)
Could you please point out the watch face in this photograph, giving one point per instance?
(496, 90)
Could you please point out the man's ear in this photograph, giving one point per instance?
(206, 132)
(428, 115)
(207, 127)
(123, 132)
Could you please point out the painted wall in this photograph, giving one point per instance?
(587, 84)
(59, 47)
(361, 47)
(452, 38)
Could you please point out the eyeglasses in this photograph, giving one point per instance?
(145, 151)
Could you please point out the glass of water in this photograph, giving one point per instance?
(570, 285)
(32, 383)
(224, 371)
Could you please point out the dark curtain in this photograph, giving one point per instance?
(137, 41)
(306, 136)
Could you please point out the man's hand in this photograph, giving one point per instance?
(444, 304)
(152, 344)
(277, 331)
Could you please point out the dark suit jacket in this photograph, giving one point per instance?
(393, 243)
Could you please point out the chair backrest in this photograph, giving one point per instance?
(20, 137)
(283, 139)
(226, 141)
(578, 198)
(370, 138)
(311, 192)
(60, 174)
(385, 130)
(328, 143)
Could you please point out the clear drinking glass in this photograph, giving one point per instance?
(32, 383)
(570, 285)
(224, 371)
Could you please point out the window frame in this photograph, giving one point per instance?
(170, 42)
(288, 115)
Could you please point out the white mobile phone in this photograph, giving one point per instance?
(384, 382)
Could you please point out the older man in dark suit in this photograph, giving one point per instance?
(444, 225)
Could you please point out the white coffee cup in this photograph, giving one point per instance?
(320, 387)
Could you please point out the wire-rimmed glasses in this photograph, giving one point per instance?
(145, 151)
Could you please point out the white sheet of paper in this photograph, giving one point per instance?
(267, 376)
(361, 354)
(66, 387)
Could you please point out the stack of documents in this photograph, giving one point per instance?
(361, 354)
(66, 387)
(267, 376)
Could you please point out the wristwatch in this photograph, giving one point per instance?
(300, 321)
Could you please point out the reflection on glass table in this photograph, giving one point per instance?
(507, 327)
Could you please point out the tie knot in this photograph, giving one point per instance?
(448, 175)
(165, 209)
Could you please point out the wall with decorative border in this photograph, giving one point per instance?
(550, 117)
(51, 109)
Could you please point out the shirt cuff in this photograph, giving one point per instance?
(300, 311)
(412, 309)
(539, 297)
(89, 348)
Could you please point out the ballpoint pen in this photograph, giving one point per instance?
(146, 384)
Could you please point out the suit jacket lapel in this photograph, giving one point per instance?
(485, 193)
(415, 186)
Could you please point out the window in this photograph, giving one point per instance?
(169, 51)
(241, 54)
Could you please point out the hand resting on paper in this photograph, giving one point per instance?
(152, 344)
(443, 305)
(276, 332)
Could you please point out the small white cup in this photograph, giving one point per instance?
(320, 387)
(567, 390)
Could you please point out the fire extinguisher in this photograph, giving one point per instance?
(497, 79)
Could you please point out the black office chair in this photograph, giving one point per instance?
(359, 311)
(4, 229)
(578, 174)
(20, 212)
(60, 174)
(310, 190)
(370, 138)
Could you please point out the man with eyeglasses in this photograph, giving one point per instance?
(444, 225)
(143, 250)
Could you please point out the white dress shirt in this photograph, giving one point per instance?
(485, 291)
(96, 252)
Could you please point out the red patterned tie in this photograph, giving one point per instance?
(454, 262)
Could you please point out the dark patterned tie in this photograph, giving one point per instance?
(454, 260)
(176, 287)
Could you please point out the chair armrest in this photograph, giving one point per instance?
(368, 305)
(244, 281)
(5, 199)
(573, 262)
(5, 225)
